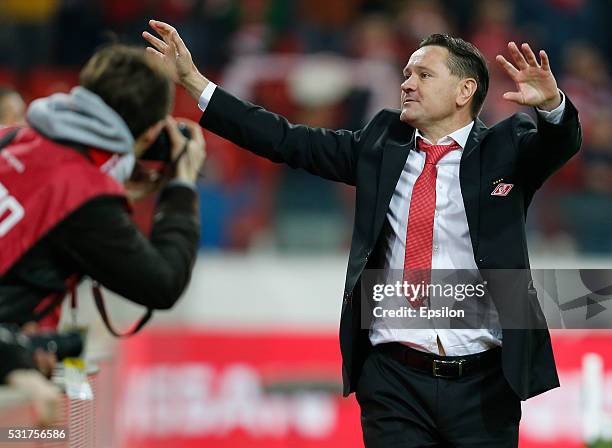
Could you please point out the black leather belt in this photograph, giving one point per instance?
(441, 366)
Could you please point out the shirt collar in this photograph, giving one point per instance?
(460, 136)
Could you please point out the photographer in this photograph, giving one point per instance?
(64, 205)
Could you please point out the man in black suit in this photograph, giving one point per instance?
(427, 387)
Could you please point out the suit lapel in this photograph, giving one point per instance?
(395, 154)
(469, 178)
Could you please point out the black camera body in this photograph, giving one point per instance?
(68, 344)
(161, 149)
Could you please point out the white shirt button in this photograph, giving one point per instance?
(435, 248)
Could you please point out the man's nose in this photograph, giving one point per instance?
(409, 84)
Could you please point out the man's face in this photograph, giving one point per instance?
(429, 91)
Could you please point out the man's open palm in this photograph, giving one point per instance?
(170, 49)
(535, 83)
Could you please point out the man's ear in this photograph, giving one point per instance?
(465, 91)
(145, 139)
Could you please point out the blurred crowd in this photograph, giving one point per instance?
(333, 63)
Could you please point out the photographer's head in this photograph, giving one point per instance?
(133, 84)
(117, 112)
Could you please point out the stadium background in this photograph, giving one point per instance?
(249, 357)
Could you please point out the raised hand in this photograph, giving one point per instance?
(535, 83)
(175, 56)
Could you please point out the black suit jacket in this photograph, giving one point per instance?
(372, 160)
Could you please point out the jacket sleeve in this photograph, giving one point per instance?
(545, 147)
(100, 240)
(326, 153)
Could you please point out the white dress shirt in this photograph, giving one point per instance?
(452, 247)
(206, 95)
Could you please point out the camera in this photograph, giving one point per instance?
(68, 344)
(161, 149)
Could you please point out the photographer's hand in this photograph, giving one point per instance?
(190, 153)
(44, 361)
(45, 396)
(175, 56)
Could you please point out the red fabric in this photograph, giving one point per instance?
(42, 182)
(99, 157)
(49, 321)
(419, 232)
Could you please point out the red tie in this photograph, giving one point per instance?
(419, 234)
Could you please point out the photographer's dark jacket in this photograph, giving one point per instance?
(90, 232)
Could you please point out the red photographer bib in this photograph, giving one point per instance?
(42, 182)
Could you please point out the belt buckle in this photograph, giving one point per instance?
(438, 363)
